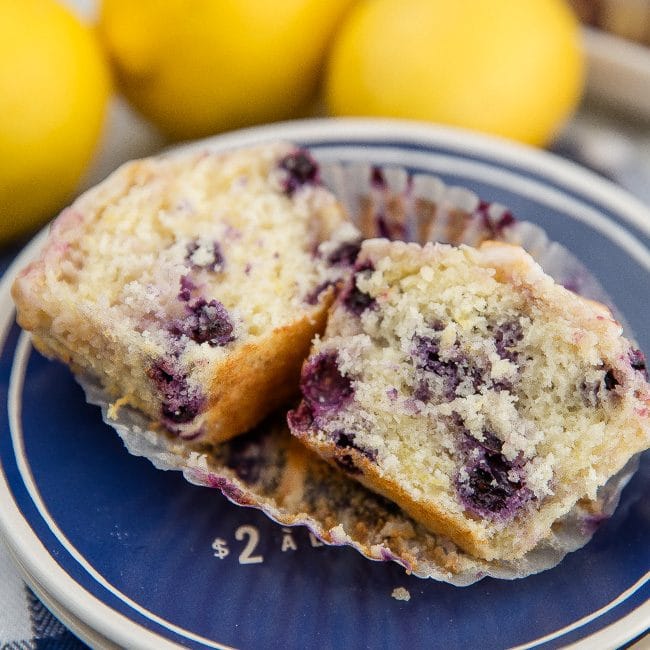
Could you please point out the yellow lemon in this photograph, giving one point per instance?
(509, 67)
(54, 87)
(195, 67)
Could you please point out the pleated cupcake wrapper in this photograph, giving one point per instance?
(420, 207)
(269, 470)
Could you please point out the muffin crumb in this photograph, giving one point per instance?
(401, 593)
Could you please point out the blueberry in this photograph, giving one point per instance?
(180, 403)
(355, 300)
(313, 296)
(187, 286)
(427, 352)
(323, 385)
(345, 254)
(490, 442)
(454, 368)
(422, 392)
(610, 380)
(638, 362)
(457, 424)
(490, 485)
(301, 169)
(594, 391)
(301, 418)
(427, 357)
(215, 264)
(488, 488)
(345, 440)
(205, 322)
(502, 384)
(506, 337)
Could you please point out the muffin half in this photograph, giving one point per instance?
(466, 386)
(191, 285)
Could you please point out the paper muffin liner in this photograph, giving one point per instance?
(269, 470)
(390, 202)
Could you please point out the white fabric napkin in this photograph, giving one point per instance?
(25, 623)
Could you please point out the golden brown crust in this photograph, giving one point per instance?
(259, 377)
(429, 514)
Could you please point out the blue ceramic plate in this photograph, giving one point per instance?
(144, 559)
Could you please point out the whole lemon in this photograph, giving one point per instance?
(508, 67)
(54, 87)
(195, 67)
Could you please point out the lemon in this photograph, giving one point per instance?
(201, 66)
(54, 87)
(508, 67)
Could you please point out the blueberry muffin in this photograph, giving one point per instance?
(191, 285)
(470, 389)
